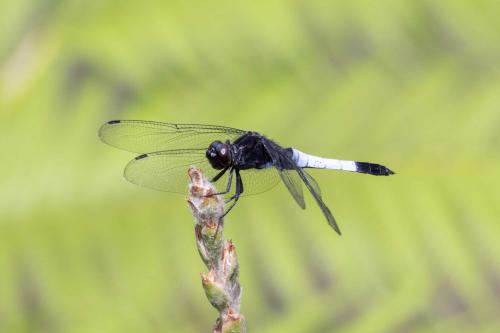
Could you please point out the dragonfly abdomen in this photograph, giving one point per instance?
(304, 160)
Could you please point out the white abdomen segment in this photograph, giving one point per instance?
(304, 160)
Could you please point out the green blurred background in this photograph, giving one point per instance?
(414, 85)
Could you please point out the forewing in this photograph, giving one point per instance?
(294, 185)
(167, 171)
(142, 136)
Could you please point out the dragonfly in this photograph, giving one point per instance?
(227, 156)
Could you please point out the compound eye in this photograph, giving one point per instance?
(223, 151)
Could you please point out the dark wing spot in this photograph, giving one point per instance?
(140, 157)
(111, 122)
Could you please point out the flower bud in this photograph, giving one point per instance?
(214, 290)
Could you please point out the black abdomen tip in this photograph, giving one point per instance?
(140, 157)
(373, 169)
(111, 122)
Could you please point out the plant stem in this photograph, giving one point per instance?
(221, 283)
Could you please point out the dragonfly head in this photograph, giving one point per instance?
(219, 155)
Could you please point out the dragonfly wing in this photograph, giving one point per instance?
(294, 185)
(284, 162)
(256, 181)
(285, 169)
(142, 136)
(313, 187)
(313, 182)
(167, 171)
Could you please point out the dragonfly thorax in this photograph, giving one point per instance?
(219, 155)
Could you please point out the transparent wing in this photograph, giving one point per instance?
(256, 181)
(286, 165)
(313, 182)
(142, 136)
(167, 171)
(313, 187)
(164, 171)
(294, 184)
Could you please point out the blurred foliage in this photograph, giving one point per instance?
(410, 84)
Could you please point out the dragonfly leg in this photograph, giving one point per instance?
(220, 174)
(238, 192)
(229, 182)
